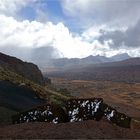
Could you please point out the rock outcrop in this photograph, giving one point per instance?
(27, 70)
(75, 110)
(44, 113)
(95, 109)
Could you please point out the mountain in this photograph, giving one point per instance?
(122, 71)
(48, 58)
(102, 59)
(120, 57)
(27, 70)
(95, 59)
(64, 63)
(128, 62)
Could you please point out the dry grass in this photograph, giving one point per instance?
(123, 96)
(42, 91)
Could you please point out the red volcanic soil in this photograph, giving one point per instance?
(87, 130)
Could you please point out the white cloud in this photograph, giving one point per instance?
(26, 34)
(10, 7)
(36, 34)
(92, 33)
(39, 33)
(72, 7)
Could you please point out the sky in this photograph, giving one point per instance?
(70, 28)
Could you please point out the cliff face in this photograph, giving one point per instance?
(27, 70)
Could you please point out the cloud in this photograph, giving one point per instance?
(34, 34)
(44, 39)
(27, 34)
(24, 37)
(120, 13)
(128, 38)
(11, 7)
(24, 9)
(42, 55)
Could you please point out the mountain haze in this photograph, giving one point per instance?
(121, 71)
(64, 63)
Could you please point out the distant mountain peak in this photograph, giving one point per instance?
(120, 57)
(122, 54)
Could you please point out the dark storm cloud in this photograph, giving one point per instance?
(121, 12)
(128, 38)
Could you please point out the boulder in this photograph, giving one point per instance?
(95, 109)
(84, 109)
(116, 117)
(75, 110)
(44, 113)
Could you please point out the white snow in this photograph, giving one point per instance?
(55, 120)
(73, 114)
(24, 118)
(88, 106)
(36, 112)
(27, 120)
(110, 115)
(84, 103)
(50, 113)
(97, 106)
(34, 118)
(44, 113)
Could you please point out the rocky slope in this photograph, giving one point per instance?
(22, 87)
(27, 70)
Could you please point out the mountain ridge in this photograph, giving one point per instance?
(122, 71)
(65, 63)
(27, 70)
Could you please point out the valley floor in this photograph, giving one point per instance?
(124, 97)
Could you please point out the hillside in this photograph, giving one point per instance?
(43, 92)
(27, 70)
(19, 92)
(18, 97)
